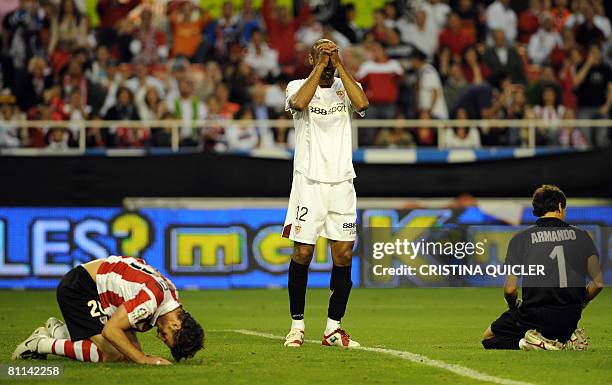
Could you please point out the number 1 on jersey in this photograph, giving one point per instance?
(558, 254)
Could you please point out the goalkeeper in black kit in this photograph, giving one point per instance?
(547, 316)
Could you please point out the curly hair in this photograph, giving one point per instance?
(547, 199)
(188, 339)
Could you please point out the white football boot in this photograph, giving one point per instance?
(295, 338)
(578, 340)
(339, 338)
(57, 329)
(535, 341)
(28, 349)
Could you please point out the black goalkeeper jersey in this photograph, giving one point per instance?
(563, 251)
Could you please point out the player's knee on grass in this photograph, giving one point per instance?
(111, 354)
(302, 253)
(342, 253)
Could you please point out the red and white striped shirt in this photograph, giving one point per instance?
(140, 288)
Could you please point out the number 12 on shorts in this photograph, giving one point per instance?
(301, 213)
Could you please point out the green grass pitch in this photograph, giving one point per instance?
(442, 324)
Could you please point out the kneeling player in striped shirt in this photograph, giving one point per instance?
(104, 302)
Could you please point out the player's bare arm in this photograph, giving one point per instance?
(117, 330)
(320, 58)
(358, 98)
(511, 291)
(596, 284)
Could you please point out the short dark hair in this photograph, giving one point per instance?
(188, 339)
(547, 199)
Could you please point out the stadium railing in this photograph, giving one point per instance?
(531, 125)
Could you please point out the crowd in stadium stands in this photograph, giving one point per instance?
(467, 59)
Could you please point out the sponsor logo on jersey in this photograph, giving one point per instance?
(340, 94)
(329, 111)
(298, 230)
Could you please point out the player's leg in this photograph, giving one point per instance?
(340, 229)
(504, 333)
(303, 224)
(78, 300)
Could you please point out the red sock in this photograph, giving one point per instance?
(84, 350)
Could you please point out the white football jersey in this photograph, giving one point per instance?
(323, 137)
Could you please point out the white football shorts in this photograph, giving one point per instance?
(321, 209)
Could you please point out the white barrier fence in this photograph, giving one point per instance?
(531, 125)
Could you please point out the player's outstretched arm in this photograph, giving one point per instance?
(301, 99)
(116, 332)
(596, 284)
(358, 98)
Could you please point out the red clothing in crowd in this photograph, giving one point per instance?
(111, 12)
(282, 37)
(528, 24)
(456, 40)
(380, 80)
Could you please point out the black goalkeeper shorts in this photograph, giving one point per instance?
(553, 322)
(79, 302)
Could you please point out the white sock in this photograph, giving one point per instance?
(45, 345)
(331, 326)
(297, 324)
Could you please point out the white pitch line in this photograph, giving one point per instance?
(412, 357)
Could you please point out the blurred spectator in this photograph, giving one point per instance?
(76, 112)
(550, 110)
(455, 37)
(149, 104)
(148, 43)
(500, 16)
(529, 21)
(345, 23)
(187, 23)
(587, 32)
(282, 29)
(261, 111)
(21, 40)
(379, 29)
(437, 12)
(143, 78)
(213, 136)
(190, 109)
(36, 86)
(422, 34)
(542, 43)
(227, 28)
(547, 78)
(379, 78)
(425, 135)
(227, 108)
(454, 84)
(474, 70)
(242, 137)
(310, 31)
(461, 136)
(103, 69)
(396, 49)
(560, 13)
(59, 139)
(471, 17)
(430, 95)
(125, 108)
(502, 56)
(10, 133)
(593, 84)
(111, 12)
(262, 59)
(68, 32)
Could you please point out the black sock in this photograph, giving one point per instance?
(298, 280)
(497, 342)
(340, 284)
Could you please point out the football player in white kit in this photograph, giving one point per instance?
(322, 200)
